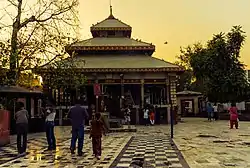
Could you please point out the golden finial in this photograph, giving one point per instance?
(111, 11)
(110, 4)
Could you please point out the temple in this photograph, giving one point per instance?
(120, 72)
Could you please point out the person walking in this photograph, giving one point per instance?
(216, 115)
(127, 115)
(49, 125)
(152, 117)
(145, 116)
(21, 117)
(77, 115)
(96, 131)
(233, 111)
(210, 110)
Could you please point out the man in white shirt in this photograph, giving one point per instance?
(50, 123)
(216, 115)
(146, 116)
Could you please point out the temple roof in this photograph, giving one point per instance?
(123, 63)
(111, 22)
(115, 41)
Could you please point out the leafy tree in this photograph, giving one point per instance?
(63, 73)
(187, 79)
(36, 32)
(217, 67)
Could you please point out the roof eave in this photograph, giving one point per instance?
(88, 70)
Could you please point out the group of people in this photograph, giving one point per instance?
(77, 114)
(149, 116)
(213, 111)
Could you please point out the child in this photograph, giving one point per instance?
(97, 128)
(233, 116)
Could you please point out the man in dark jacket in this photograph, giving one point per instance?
(78, 115)
(21, 117)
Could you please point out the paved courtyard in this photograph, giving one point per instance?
(203, 145)
(119, 150)
(212, 144)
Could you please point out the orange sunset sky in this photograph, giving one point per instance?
(179, 22)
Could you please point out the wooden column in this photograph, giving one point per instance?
(141, 104)
(96, 98)
(122, 92)
(168, 110)
(142, 93)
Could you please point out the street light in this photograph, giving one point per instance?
(171, 106)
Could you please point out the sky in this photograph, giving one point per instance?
(179, 22)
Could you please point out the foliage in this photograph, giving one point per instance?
(64, 73)
(216, 66)
(36, 32)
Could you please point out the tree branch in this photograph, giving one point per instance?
(34, 19)
(12, 3)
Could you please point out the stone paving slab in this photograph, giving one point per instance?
(62, 157)
(212, 144)
(113, 144)
(150, 152)
(8, 153)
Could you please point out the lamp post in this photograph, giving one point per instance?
(171, 106)
(171, 109)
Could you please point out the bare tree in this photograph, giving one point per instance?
(35, 33)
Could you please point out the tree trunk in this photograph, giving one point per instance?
(14, 46)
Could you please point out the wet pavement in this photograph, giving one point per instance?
(151, 144)
(212, 144)
(203, 144)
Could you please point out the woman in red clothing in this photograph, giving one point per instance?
(233, 111)
(152, 117)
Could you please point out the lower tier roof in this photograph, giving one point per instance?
(122, 63)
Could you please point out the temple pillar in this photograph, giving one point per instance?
(96, 98)
(142, 93)
(122, 92)
(142, 103)
(168, 99)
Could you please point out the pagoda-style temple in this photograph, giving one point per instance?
(124, 72)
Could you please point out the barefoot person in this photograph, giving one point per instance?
(97, 129)
(21, 117)
(78, 115)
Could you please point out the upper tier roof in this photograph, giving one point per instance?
(110, 22)
(111, 41)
